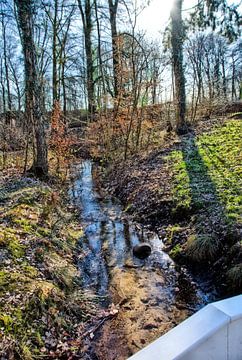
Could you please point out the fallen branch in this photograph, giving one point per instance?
(91, 332)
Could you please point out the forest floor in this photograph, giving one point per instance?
(43, 312)
(189, 191)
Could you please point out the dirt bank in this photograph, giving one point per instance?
(189, 190)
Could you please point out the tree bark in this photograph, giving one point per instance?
(177, 62)
(32, 86)
(99, 49)
(6, 66)
(55, 80)
(86, 14)
(113, 7)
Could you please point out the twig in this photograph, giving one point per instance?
(93, 330)
(184, 307)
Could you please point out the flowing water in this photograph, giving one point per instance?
(152, 295)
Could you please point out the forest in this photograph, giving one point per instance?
(120, 171)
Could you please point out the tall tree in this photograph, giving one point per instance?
(113, 8)
(60, 18)
(6, 66)
(85, 7)
(177, 35)
(25, 18)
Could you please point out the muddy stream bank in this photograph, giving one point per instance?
(152, 295)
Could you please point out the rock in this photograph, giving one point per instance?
(142, 250)
(129, 264)
(150, 326)
(112, 263)
(145, 300)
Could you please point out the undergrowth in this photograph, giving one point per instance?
(41, 306)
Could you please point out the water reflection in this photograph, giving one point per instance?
(108, 241)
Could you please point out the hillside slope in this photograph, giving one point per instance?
(190, 191)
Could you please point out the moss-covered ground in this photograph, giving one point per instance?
(42, 309)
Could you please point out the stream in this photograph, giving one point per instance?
(152, 295)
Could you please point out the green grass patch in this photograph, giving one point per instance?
(234, 276)
(207, 183)
(181, 186)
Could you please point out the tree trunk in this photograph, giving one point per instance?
(99, 49)
(86, 14)
(55, 81)
(177, 62)
(9, 100)
(233, 79)
(113, 6)
(32, 86)
(3, 86)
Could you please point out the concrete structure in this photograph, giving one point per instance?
(213, 333)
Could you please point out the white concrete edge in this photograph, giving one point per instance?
(231, 307)
(224, 311)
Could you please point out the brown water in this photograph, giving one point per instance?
(151, 295)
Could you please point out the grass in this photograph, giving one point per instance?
(222, 154)
(207, 172)
(181, 187)
(234, 276)
(206, 190)
(39, 282)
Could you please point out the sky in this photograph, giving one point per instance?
(154, 17)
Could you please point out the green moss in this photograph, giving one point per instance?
(26, 353)
(29, 270)
(12, 281)
(16, 249)
(37, 244)
(6, 235)
(6, 321)
(25, 225)
(172, 230)
(3, 279)
(10, 240)
(73, 235)
(41, 231)
(175, 251)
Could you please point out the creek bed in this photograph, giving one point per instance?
(153, 294)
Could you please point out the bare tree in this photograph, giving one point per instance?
(177, 62)
(85, 7)
(25, 9)
(6, 66)
(113, 8)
